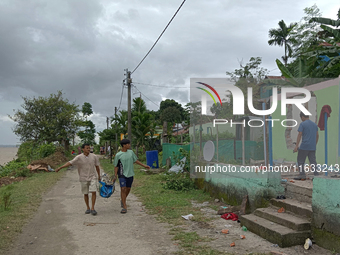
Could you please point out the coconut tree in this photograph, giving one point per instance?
(283, 36)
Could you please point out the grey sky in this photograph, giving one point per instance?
(83, 46)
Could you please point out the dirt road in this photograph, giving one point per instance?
(61, 227)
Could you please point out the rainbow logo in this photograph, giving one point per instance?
(212, 89)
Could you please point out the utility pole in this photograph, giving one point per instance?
(107, 127)
(128, 83)
(116, 129)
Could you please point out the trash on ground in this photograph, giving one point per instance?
(281, 210)
(242, 237)
(224, 207)
(225, 231)
(292, 181)
(275, 245)
(188, 217)
(281, 197)
(179, 166)
(232, 244)
(284, 180)
(244, 228)
(230, 216)
(228, 226)
(308, 244)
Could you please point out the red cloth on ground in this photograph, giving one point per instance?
(230, 216)
(325, 109)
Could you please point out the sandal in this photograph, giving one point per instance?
(121, 204)
(123, 210)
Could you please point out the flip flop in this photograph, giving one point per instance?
(123, 210)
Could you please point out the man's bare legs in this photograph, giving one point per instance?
(124, 192)
(93, 198)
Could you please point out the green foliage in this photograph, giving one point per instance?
(10, 167)
(177, 158)
(87, 135)
(178, 182)
(283, 36)
(48, 119)
(6, 200)
(24, 172)
(31, 150)
(46, 149)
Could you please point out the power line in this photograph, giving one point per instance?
(121, 96)
(159, 37)
(161, 86)
(146, 96)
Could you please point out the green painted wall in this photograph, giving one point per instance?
(232, 186)
(328, 96)
(326, 212)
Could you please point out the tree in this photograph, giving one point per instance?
(46, 119)
(283, 36)
(172, 103)
(249, 75)
(306, 32)
(88, 134)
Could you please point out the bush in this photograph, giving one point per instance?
(46, 149)
(178, 182)
(12, 166)
(23, 173)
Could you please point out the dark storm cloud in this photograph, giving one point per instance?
(83, 46)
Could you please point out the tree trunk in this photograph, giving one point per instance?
(165, 131)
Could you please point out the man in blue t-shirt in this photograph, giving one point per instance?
(308, 131)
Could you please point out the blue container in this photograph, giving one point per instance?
(151, 158)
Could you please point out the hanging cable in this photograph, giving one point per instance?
(159, 37)
(121, 96)
(161, 86)
(146, 96)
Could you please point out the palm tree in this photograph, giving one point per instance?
(283, 36)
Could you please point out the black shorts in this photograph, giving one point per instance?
(126, 182)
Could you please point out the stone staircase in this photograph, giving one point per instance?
(288, 228)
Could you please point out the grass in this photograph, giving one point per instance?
(169, 206)
(25, 199)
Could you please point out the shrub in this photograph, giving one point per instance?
(178, 182)
(12, 166)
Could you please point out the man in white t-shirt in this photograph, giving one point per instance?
(89, 173)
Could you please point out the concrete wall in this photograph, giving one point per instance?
(232, 186)
(326, 212)
(326, 94)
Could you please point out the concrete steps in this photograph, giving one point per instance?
(286, 229)
(273, 232)
(286, 219)
(299, 190)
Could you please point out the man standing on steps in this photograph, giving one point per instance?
(309, 133)
(123, 163)
(89, 173)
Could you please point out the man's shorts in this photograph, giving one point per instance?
(126, 182)
(90, 186)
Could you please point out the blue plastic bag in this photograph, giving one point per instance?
(106, 190)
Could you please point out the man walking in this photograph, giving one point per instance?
(89, 172)
(123, 163)
(309, 133)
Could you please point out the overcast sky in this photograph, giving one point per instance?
(83, 46)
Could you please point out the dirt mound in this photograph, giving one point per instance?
(53, 160)
(8, 180)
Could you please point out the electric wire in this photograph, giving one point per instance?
(121, 96)
(159, 37)
(161, 86)
(146, 96)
